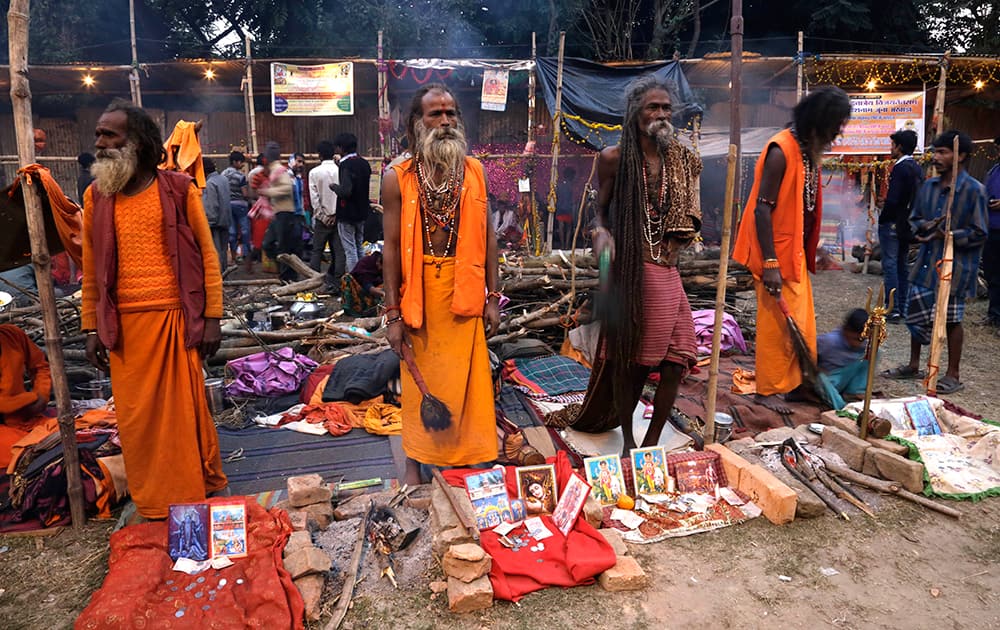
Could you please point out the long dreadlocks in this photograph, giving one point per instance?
(624, 318)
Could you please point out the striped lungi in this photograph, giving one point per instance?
(920, 312)
(667, 326)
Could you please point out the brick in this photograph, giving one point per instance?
(299, 519)
(307, 561)
(779, 434)
(776, 500)
(905, 472)
(593, 512)
(614, 538)
(458, 562)
(732, 463)
(307, 489)
(442, 539)
(320, 513)
(298, 540)
(356, 506)
(893, 447)
(626, 575)
(850, 448)
(807, 504)
(803, 434)
(469, 596)
(831, 418)
(442, 514)
(311, 589)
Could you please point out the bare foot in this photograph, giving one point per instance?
(802, 394)
(774, 403)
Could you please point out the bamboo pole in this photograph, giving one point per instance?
(251, 108)
(133, 75)
(939, 332)
(556, 130)
(531, 90)
(736, 97)
(720, 295)
(383, 99)
(20, 97)
(869, 240)
(937, 122)
(801, 62)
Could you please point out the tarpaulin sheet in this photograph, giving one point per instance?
(595, 93)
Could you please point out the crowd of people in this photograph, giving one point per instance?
(155, 246)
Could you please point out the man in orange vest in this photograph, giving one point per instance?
(440, 272)
(778, 235)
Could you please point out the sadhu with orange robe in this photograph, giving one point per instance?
(440, 272)
(152, 300)
(20, 409)
(778, 235)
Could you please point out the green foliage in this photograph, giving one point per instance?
(966, 26)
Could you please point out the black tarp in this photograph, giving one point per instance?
(596, 93)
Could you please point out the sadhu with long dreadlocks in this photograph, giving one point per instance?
(648, 211)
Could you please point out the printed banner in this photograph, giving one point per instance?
(875, 116)
(495, 90)
(325, 90)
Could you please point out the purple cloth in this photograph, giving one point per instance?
(732, 336)
(993, 192)
(269, 374)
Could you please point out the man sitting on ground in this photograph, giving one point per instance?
(20, 409)
(361, 290)
(841, 357)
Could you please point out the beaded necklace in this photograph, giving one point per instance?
(439, 204)
(811, 188)
(652, 226)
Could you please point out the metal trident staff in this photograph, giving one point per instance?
(875, 333)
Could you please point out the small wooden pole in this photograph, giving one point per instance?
(556, 130)
(383, 100)
(937, 122)
(800, 61)
(869, 241)
(20, 97)
(531, 89)
(720, 295)
(736, 96)
(133, 75)
(939, 332)
(251, 108)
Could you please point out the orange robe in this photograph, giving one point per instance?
(443, 308)
(18, 355)
(168, 437)
(777, 369)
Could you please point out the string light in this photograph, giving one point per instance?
(980, 84)
(871, 84)
(210, 74)
(88, 81)
(891, 73)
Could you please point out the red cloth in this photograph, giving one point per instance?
(319, 375)
(141, 590)
(334, 417)
(573, 560)
(667, 327)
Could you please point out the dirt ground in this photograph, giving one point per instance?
(909, 568)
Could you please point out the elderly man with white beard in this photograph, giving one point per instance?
(152, 300)
(441, 298)
(648, 211)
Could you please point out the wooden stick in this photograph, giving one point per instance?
(524, 319)
(868, 223)
(889, 487)
(939, 332)
(937, 122)
(347, 592)
(462, 518)
(296, 287)
(556, 131)
(720, 297)
(20, 97)
(296, 264)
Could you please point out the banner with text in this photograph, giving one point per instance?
(324, 90)
(875, 116)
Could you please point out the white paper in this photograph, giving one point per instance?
(751, 509)
(505, 528)
(524, 185)
(221, 562)
(730, 497)
(536, 528)
(627, 518)
(191, 567)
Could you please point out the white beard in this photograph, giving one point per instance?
(441, 150)
(114, 168)
(661, 132)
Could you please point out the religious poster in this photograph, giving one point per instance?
(494, 96)
(323, 90)
(228, 522)
(877, 115)
(187, 531)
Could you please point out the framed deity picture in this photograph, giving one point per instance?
(604, 474)
(570, 503)
(649, 471)
(536, 486)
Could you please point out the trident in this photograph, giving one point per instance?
(875, 333)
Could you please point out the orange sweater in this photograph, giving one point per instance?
(146, 280)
